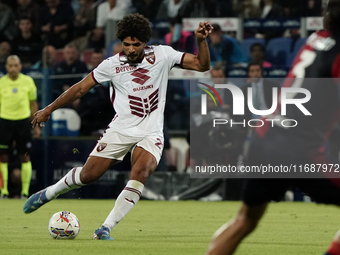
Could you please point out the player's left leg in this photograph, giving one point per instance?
(143, 165)
(228, 237)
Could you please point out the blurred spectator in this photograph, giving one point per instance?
(70, 65)
(198, 8)
(207, 8)
(12, 4)
(148, 8)
(247, 9)
(108, 10)
(28, 9)
(48, 58)
(224, 49)
(5, 51)
(179, 39)
(85, 20)
(257, 55)
(224, 8)
(262, 93)
(217, 74)
(313, 8)
(84, 23)
(116, 48)
(270, 10)
(96, 58)
(27, 44)
(56, 23)
(170, 8)
(7, 23)
(95, 108)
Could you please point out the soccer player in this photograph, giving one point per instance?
(318, 59)
(18, 95)
(139, 75)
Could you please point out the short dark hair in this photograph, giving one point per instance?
(24, 17)
(256, 45)
(254, 63)
(98, 50)
(134, 26)
(332, 17)
(217, 28)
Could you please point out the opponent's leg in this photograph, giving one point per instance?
(77, 177)
(143, 164)
(334, 248)
(228, 237)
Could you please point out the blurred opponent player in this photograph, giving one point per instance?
(319, 58)
(139, 75)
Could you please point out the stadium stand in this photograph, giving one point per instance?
(295, 50)
(277, 50)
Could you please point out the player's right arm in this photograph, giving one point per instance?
(73, 93)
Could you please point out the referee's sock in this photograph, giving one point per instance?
(26, 174)
(4, 172)
(334, 249)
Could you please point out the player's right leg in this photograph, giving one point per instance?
(227, 238)
(77, 177)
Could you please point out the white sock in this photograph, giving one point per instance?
(127, 199)
(69, 182)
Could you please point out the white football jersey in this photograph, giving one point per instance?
(139, 90)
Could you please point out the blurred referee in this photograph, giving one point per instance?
(18, 95)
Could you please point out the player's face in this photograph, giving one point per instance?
(13, 67)
(133, 48)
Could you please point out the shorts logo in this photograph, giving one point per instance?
(159, 144)
(101, 146)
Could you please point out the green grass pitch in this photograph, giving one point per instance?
(163, 227)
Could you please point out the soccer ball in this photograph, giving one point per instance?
(63, 225)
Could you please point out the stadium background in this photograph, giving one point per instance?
(65, 144)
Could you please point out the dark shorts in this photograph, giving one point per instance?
(18, 131)
(259, 191)
(276, 150)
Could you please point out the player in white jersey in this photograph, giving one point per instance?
(139, 76)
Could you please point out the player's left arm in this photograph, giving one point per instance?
(201, 62)
(34, 109)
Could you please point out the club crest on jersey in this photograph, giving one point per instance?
(149, 55)
(151, 58)
(101, 146)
